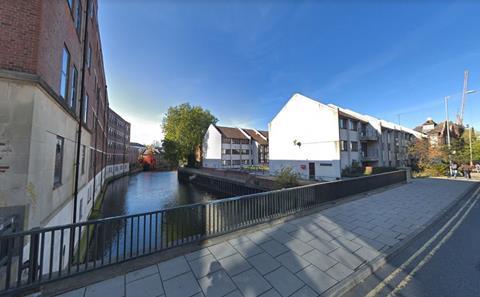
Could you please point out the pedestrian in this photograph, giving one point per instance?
(454, 169)
(477, 167)
(466, 171)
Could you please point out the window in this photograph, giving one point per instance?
(245, 152)
(343, 123)
(89, 56)
(64, 73)
(57, 175)
(226, 151)
(78, 17)
(226, 162)
(343, 145)
(245, 162)
(226, 140)
(235, 162)
(353, 125)
(85, 109)
(354, 146)
(73, 89)
(83, 159)
(80, 208)
(235, 152)
(91, 9)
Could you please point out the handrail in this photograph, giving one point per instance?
(41, 251)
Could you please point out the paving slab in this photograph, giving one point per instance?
(141, 273)
(316, 279)
(264, 263)
(173, 267)
(234, 264)
(285, 282)
(302, 257)
(150, 286)
(182, 285)
(251, 283)
(217, 284)
(111, 287)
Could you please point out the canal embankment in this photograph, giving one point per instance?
(224, 182)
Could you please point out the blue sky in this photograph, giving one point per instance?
(243, 60)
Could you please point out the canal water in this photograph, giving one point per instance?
(140, 193)
(149, 191)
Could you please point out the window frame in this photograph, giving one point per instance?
(352, 148)
(65, 73)
(78, 17)
(72, 97)
(343, 146)
(58, 164)
(85, 109)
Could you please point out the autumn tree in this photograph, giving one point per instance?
(184, 127)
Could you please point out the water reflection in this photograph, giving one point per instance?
(146, 192)
(149, 191)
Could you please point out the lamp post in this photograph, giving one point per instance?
(447, 123)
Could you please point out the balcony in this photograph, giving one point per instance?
(371, 156)
(368, 135)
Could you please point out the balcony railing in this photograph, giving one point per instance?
(369, 135)
(370, 156)
(43, 255)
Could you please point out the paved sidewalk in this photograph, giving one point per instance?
(301, 257)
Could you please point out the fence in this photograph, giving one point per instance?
(42, 255)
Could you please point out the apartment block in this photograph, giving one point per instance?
(53, 113)
(118, 144)
(228, 147)
(319, 140)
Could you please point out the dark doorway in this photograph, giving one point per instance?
(311, 170)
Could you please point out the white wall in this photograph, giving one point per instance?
(212, 148)
(313, 124)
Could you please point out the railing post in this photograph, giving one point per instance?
(33, 257)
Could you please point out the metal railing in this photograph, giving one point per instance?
(46, 254)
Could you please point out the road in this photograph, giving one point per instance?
(444, 261)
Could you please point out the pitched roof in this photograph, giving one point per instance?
(264, 133)
(230, 132)
(260, 138)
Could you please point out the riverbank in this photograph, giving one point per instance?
(222, 183)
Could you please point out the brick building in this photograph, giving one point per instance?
(53, 112)
(118, 144)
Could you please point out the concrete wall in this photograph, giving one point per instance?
(212, 148)
(30, 122)
(315, 126)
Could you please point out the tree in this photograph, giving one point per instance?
(432, 160)
(184, 127)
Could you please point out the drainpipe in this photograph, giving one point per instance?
(80, 122)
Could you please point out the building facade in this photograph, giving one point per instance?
(118, 144)
(319, 140)
(53, 113)
(437, 133)
(227, 147)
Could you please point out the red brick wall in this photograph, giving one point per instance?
(19, 34)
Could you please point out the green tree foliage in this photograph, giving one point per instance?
(184, 127)
(428, 159)
(287, 178)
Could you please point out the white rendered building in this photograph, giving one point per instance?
(227, 147)
(319, 140)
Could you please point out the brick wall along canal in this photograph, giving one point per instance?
(140, 193)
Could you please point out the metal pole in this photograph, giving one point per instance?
(471, 151)
(446, 118)
(79, 133)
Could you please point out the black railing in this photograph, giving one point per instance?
(42, 255)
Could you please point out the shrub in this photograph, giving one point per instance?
(287, 178)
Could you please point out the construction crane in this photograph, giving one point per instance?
(464, 98)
